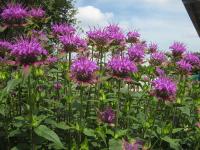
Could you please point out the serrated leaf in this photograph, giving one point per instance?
(89, 132)
(174, 143)
(177, 130)
(115, 144)
(48, 134)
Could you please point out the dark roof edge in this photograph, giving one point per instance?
(193, 17)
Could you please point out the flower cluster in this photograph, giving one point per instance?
(136, 52)
(98, 36)
(4, 47)
(192, 59)
(83, 71)
(135, 145)
(14, 12)
(57, 86)
(121, 67)
(108, 116)
(159, 72)
(153, 48)
(184, 66)
(157, 58)
(133, 37)
(164, 88)
(36, 13)
(28, 51)
(73, 43)
(115, 34)
(177, 49)
(63, 29)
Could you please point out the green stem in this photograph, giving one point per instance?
(30, 102)
(117, 113)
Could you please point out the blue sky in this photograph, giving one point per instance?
(161, 21)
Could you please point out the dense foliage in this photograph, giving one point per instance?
(104, 90)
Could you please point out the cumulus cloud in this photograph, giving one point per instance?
(161, 21)
(92, 16)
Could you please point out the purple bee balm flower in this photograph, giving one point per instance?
(160, 72)
(115, 34)
(153, 48)
(83, 71)
(184, 66)
(132, 146)
(193, 59)
(164, 88)
(121, 67)
(73, 43)
(133, 37)
(57, 86)
(136, 52)
(13, 12)
(28, 51)
(98, 36)
(108, 116)
(5, 47)
(178, 48)
(157, 58)
(51, 59)
(63, 29)
(37, 13)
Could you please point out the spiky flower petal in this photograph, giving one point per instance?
(83, 71)
(178, 48)
(13, 12)
(136, 52)
(164, 88)
(28, 51)
(121, 67)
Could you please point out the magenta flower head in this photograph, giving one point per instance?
(37, 13)
(115, 34)
(108, 116)
(135, 145)
(157, 58)
(83, 71)
(153, 47)
(5, 47)
(159, 72)
(98, 37)
(13, 13)
(136, 52)
(121, 67)
(133, 37)
(184, 67)
(164, 88)
(28, 51)
(177, 49)
(51, 60)
(73, 43)
(193, 59)
(57, 85)
(63, 29)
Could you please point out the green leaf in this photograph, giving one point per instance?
(89, 132)
(115, 144)
(185, 110)
(120, 133)
(177, 130)
(48, 134)
(63, 126)
(174, 143)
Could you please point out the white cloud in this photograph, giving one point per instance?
(172, 23)
(92, 16)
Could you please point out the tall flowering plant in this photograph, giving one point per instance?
(101, 89)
